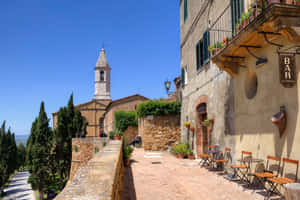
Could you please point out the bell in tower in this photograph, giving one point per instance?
(102, 78)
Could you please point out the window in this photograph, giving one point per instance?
(185, 11)
(182, 77)
(102, 76)
(237, 8)
(102, 123)
(202, 53)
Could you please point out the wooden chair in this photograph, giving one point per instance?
(279, 181)
(243, 169)
(221, 160)
(268, 172)
(207, 157)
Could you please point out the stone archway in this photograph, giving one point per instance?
(202, 133)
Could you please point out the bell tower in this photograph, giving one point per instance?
(102, 78)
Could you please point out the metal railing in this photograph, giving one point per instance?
(221, 27)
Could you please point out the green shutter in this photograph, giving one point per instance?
(182, 76)
(198, 55)
(205, 46)
(185, 11)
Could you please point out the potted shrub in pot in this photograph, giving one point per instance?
(117, 134)
(127, 151)
(111, 135)
(187, 124)
(298, 2)
(190, 154)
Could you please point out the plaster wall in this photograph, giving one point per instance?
(254, 129)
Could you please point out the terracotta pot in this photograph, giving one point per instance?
(298, 3)
(117, 137)
(127, 162)
(191, 157)
(187, 126)
(177, 155)
(192, 129)
(246, 22)
(180, 156)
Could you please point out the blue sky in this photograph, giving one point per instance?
(49, 49)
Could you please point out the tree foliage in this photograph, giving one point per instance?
(123, 119)
(157, 107)
(40, 149)
(8, 155)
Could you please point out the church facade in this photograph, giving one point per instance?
(99, 112)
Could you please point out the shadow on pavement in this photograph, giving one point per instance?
(128, 188)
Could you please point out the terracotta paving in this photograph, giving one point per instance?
(164, 177)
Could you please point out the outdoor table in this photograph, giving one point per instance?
(292, 191)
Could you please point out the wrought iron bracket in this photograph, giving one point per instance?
(260, 60)
(267, 40)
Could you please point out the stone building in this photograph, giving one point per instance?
(99, 112)
(263, 59)
(206, 91)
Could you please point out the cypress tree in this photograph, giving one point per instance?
(29, 144)
(41, 148)
(63, 145)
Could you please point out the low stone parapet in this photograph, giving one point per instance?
(100, 179)
(83, 150)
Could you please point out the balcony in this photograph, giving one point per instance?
(276, 20)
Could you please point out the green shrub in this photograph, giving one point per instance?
(96, 149)
(104, 143)
(181, 148)
(157, 107)
(123, 119)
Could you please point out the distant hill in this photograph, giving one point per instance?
(21, 139)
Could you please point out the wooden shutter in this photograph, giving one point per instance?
(185, 10)
(205, 46)
(182, 77)
(198, 55)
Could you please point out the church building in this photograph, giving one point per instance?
(99, 112)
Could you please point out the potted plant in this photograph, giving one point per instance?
(246, 22)
(206, 122)
(298, 2)
(117, 134)
(211, 49)
(251, 15)
(192, 128)
(187, 124)
(111, 135)
(190, 154)
(127, 151)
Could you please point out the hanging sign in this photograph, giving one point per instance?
(287, 67)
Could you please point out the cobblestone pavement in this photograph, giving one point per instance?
(18, 188)
(163, 177)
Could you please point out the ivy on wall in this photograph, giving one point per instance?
(123, 119)
(158, 107)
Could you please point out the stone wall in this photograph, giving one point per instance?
(159, 132)
(207, 82)
(100, 179)
(130, 133)
(83, 150)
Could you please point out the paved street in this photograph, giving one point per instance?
(161, 176)
(18, 188)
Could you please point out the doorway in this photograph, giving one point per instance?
(201, 131)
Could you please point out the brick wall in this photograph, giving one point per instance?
(83, 150)
(159, 132)
(100, 179)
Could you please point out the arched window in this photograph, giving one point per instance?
(102, 76)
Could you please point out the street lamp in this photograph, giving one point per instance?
(167, 86)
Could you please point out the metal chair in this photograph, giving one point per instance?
(279, 181)
(243, 169)
(207, 157)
